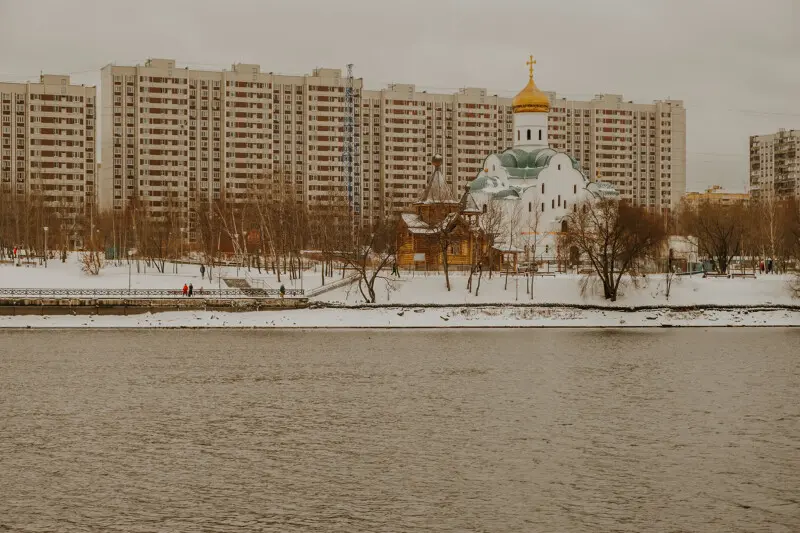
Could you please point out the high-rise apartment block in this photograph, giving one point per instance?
(402, 129)
(775, 165)
(638, 148)
(47, 143)
(175, 137)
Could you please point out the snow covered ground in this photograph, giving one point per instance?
(419, 289)
(565, 289)
(69, 275)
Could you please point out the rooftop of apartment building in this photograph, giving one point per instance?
(715, 190)
(410, 89)
(58, 80)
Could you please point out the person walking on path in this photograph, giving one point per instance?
(203, 271)
(283, 291)
(191, 289)
(185, 289)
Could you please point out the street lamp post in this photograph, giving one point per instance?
(45, 246)
(129, 272)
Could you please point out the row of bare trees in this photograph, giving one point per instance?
(29, 224)
(617, 240)
(279, 233)
(764, 230)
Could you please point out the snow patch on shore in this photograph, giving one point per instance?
(400, 317)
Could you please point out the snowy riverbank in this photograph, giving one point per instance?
(439, 317)
(557, 301)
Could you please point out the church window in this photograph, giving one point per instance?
(565, 204)
(553, 203)
(542, 188)
(530, 206)
(542, 207)
(517, 134)
(484, 208)
(529, 135)
(564, 226)
(559, 200)
(574, 189)
(540, 135)
(559, 167)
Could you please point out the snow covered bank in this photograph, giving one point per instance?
(58, 275)
(399, 317)
(566, 289)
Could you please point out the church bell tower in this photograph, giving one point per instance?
(531, 107)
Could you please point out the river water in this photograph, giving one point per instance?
(461, 430)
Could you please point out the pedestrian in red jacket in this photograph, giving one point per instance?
(185, 289)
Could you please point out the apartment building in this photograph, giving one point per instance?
(47, 138)
(715, 195)
(402, 129)
(178, 137)
(775, 164)
(638, 148)
(175, 137)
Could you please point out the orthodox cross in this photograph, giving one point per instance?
(531, 62)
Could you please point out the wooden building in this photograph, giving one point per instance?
(440, 222)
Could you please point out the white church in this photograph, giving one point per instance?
(534, 185)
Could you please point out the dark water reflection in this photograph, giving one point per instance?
(567, 430)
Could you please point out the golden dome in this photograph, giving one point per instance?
(531, 99)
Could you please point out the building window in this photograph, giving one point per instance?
(529, 135)
(542, 188)
(530, 206)
(559, 167)
(559, 200)
(484, 208)
(574, 189)
(553, 203)
(540, 135)
(542, 207)
(517, 134)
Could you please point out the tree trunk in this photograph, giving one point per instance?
(446, 269)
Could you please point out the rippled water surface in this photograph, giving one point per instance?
(495, 431)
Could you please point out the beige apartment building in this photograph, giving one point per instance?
(775, 164)
(715, 195)
(175, 137)
(47, 143)
(638, 148)
(402, 129)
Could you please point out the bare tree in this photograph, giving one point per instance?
(719, 230)
(512, 221)
(533, 238)
(615, 237)
(491, 225)
(369, 251)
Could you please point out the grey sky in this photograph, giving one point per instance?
(735, 64)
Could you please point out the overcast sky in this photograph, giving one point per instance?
(735, 64)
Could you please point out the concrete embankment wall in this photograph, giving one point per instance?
(124, 306)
